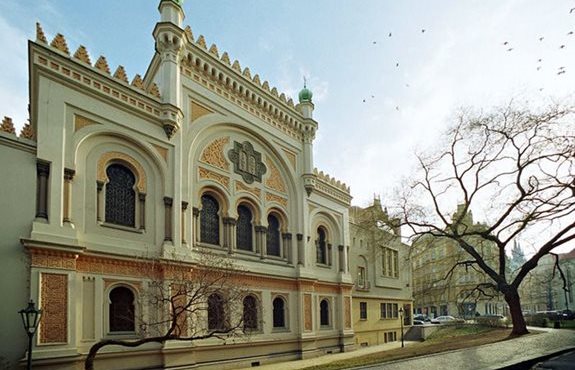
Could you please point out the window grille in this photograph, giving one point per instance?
(321, 246)
(324, 313)
(216, 314)
(244, 235)
(121, 310)
(273, 236)
(120, 196)
(278, 313)
(210, 220)
(250, 313)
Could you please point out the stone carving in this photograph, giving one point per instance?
(162, 151)
(291, 157)
(256, 80)
(54, 294)
(199, 111)
(59, 42)
(82, 55)
(247, 162)
(189, 34)
(347, 309)
(241, 187)
(214, 50)
(211, 175)
(27, 131)
(52, 259)
(202, 42)
(274, 91)
(236, 66)
(120, 74)
(246, 73)
(81, 122)
(154, 90)
(40, 37)
(276, 198)
(7, 125)
(214, 153)
(274, 181)
(266, 86)
(138, 82)
(226, 58)
(135, 166)
(307, 313)
(102, 64)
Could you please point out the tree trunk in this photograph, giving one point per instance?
(512, 298)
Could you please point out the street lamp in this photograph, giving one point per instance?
(30, 318)
(401, 317)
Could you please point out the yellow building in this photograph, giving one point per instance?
(380, 266)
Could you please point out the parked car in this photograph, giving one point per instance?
(492, 320)
(568, 315)
(446, 320)
(421, 317)
(418, 322)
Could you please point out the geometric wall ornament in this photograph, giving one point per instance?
(199, 110)
(307, 313)
(81, 122)
(54, 300)
(274, 180)
(214, 153)
(247, 162)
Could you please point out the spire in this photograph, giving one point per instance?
(172, 11)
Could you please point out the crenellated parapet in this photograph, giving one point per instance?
(26, 132)
(82, 56)
(331, 187)
(211, 67)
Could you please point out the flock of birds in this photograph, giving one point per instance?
(560, 70)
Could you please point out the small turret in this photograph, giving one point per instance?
(305, 106)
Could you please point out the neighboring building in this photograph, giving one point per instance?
(382, 276)
(440, 289)
(198, 154)
(543, 289)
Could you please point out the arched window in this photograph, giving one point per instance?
(120, 196)
(279, 313)
(273, 236)
(250, 313)
(216, 312)
(121, 310)
(244, 234)
(210, 220)
(321, 246)
(324, 313)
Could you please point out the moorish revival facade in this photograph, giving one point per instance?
(198, 155)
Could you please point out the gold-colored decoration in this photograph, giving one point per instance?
(246, 73)
(199, 110)
(214, 153)
(154, 90)
(82, 55)
(347, 310)
(211, 175)
(120, 74)
(81, 122)
(291, 157)
(283, 97)
(162, 151)
(102, 64)
(277, 199)
(40, 37)
(274, 91)
(214, 50)
(256, 80)
(266, 86)
(54, 300)
(27, 132)
(201, 41)
(59, 42)
(225, 58)
(131, 162)
(274, 180)
(52, 259)
(189, 34)
(236, 66)
(241, 187)
(290, 102)
(138, 82)
(307, 313)
(7, 125)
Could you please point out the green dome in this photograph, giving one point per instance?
(305, 95)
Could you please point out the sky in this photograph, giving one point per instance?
(387, 76)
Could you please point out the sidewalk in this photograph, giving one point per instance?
(489, 356)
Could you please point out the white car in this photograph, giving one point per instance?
(445, 320)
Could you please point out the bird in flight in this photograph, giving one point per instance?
(538, 68)
(375, 42)
(389, 35)
(397, 64)
(423, 30)
(539, 60)
(562, 47)
(569, 33)
(506, 42)
(541, 38)
(572, 10)
(509, 49)
(397, 107)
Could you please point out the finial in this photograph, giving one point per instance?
(304, 82)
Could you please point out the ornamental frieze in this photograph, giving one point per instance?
(247, 162)
(54, 296)
(214, 153)
(274, 181)
(241, 187)
(277, 199)
(206, 174)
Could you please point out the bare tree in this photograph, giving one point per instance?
(514, 166)
(186, 300)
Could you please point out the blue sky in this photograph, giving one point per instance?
(344, 49)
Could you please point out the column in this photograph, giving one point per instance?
(183, 221)
(142, 209)
(195, 225)
(168, 219)
(68, 176)
(42, 172)
(287, 247)
(99, 201)
(300, 250)
(341, 258)
(329, 255)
